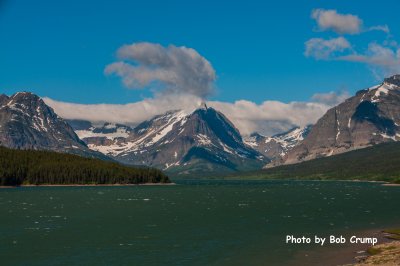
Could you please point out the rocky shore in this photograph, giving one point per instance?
(387, 254)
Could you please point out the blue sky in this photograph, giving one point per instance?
(60, 49)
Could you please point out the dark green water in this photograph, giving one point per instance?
(193, 223)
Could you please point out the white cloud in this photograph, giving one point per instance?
(339, 23)
(384, 28)
(342, 23)
(269, 117)
(384, 60)
(331, 98)
(131, 113)
(188, 78)
(323, 49)
(172, 69)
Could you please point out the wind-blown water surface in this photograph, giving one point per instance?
(193, 223)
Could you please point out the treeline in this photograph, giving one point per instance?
(379, 163)
(28, 167)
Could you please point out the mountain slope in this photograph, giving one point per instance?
(181, 143)
(380, 163)
(370, 117)
(277, 146)
(26, 122)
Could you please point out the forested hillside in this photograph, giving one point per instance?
(380, 163)
(28, 167)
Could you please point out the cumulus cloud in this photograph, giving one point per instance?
(172, 69)
(342, 23)
(331, 98)
(186, 79)
(387, 59)
(339, 23)
(269, 117)
(383, 60)
(323, 49)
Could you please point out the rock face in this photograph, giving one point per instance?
(370, 117)
(201, 141)
(277, 146)
(26, 122)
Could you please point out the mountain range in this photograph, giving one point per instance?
(370, 117)
(186, 143)
(277, 146)
(202, 141)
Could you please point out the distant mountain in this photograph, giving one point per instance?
(380, 162)
(179, 142)
(106, 138)
(371, 117)
(277, 146)
(26, 122)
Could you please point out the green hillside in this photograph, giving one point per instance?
(199, 167)
(380, 163)
(28, 167)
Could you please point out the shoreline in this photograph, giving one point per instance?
(92, 185)
(382, 183)
(391, 185)
(385, 253)
(346, 255)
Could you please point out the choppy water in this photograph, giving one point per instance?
(193, 223)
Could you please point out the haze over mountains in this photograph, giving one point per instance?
(203, 141)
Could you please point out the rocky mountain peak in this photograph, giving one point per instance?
(29, 104)
(178, 141)
(3, 99)
(26, 95)
(395, 80)
(28, 99)
(219, 124)
(278, 145)
(26, 122)
(256, 136)
(203, 105)
(370, 117)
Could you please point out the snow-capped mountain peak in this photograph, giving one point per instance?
(370, 117)
(26, 122)
(278, 145)
(176, 138)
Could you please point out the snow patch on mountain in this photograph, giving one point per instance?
(119, 133)
(26, 122)
(177, 138)
(370, 117)
(278, 145)
(203, 140)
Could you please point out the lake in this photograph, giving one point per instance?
(192, 223)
